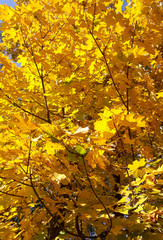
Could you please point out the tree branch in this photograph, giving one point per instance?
(45, 98)
(40, 73)
(52, 39)
(29, 154)
(97, 197)
(11, 194)
(80, 233)
(47, 74)
(94, 14)
(24, 110)
(105, 60)
(14, 180)
(51, 112)
(109, 70)
(40, 199)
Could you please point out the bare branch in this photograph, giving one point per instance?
(97, 197)
(14, 180)
(29, 154)
(45, 98)
(39, 198)
(80, 233)
(11, 194)
(94, 15)
(40, 73)
(52, 39)
(109, 70)
(105, 60)
(46, 75)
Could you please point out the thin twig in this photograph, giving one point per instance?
(94, 15)
(24, 110)
(97, 197)
(109, 70)
(76, 235)
(29, 154)
(105, 60)
(40, 73)
(124, 154)
(47, 74)
(51, 112)
(45, 98)
(14, 180)
(128, 68)
(10, 194)
(22, 169)
(39, 198)
(80, 233)
(52, 39)
(131, 145)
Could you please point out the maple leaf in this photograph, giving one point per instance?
(80, 119)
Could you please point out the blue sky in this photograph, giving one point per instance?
(8, 2)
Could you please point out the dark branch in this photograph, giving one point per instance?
(11, 194)
(40, 73)
(97, 197)
(24, 110)
(29, 154)
(39, 198)
(109, 71)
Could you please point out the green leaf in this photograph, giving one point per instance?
(54, 140)
(82, 151)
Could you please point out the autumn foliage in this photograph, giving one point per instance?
(81, 120)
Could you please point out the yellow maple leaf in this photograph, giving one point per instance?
(160, 94)
(118, 6)
(25, 123)
(101, 125)
(118, 28)
(51, 147)
(136, 164)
